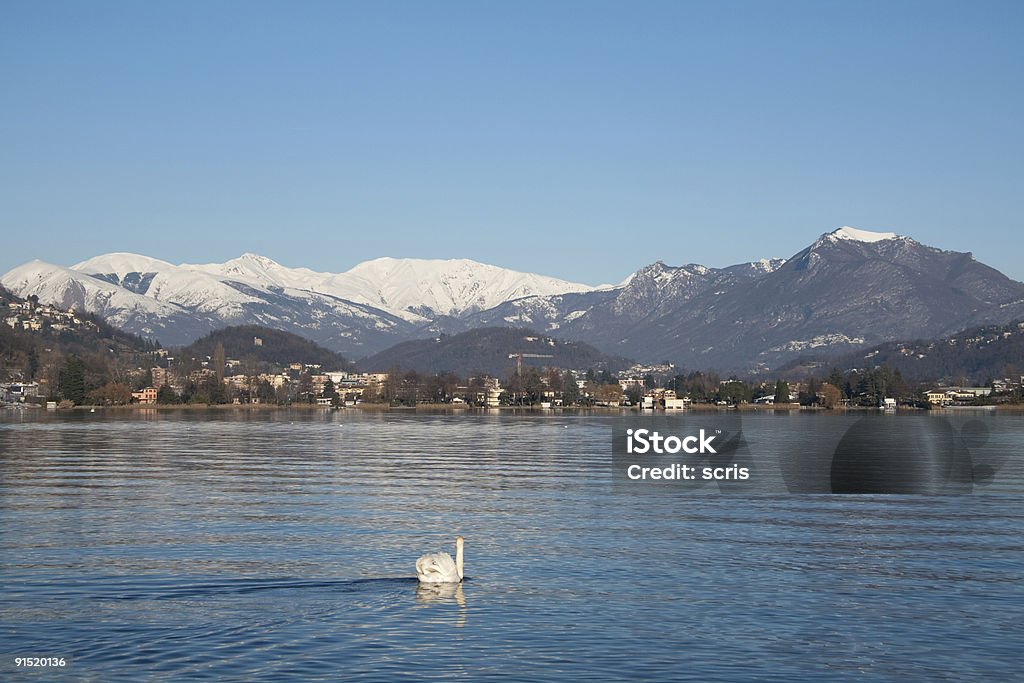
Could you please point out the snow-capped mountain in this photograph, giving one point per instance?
(446, 287)
(120, 306)
(857, 235)
(414, 289)
(371, 306)
(849, 288)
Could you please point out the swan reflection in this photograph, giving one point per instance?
(433, 594)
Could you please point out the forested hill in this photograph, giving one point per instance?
(486, 351)
(274, 346)
(976, 355)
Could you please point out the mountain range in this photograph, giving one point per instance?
(848, 289)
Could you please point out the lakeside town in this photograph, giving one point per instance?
(152, 376)
(164, 377)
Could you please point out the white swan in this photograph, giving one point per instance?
(439, 567)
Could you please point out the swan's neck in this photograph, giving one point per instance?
(458, 556)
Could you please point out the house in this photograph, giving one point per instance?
(17, 392)
(673, 403)
(146, 396)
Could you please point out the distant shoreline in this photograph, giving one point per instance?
(449, 408)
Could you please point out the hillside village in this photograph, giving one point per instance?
(30, 315)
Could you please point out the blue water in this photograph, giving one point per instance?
(280, 546)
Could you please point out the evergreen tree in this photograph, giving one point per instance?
(166, 395)
(72, 380)
(570, 389)
(331, 393)
(782, 391)
(33, 363)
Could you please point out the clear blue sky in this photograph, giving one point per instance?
(576, 139)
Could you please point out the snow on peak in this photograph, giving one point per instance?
(121, 263)
(256, 258)
(445, 286)
(69, 288)
(248, 264)
(404, 287)
(766, 265)
(848, 233)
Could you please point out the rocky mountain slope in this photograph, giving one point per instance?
(848, 289)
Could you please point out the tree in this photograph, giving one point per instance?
(33, 363)
(610, 394)
(634, 394)
(830, 395)
(329, 391)
(735, 391)
(112, 393)
(265, 391)
(219, 361)
(701, 387)
(306, 387)
(533, 386)
(570, 389)
(166, 395)
(555, 381)
(809, 396)
(141, 380)
(371, 394)
(782, 391)
(72, 380)
(213, 390)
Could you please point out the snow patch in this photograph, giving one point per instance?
(848, 233)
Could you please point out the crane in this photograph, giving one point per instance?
(519, 356)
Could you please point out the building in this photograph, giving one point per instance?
(950, 395)
(146, 396)
(160, 377)
(17, 392)
(673, 403)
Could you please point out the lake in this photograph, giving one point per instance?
(280, 545)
